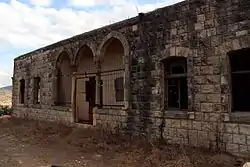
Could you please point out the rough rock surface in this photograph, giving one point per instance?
(5, 97)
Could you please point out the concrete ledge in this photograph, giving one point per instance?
(240, 117)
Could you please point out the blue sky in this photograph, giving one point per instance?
(30, 24)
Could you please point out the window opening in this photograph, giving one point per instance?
(37, 90)
(240, 79)
(176, 89)
(22, 91)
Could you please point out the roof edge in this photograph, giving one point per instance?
(129, 21)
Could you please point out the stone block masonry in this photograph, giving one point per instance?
(196, 36)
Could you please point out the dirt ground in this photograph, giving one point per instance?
(26, 143)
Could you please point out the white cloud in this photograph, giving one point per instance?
(24, 27)
(86, 3)
(27, 27)
(41, 2)
(3, 74)
(83, 3)
(5, 78)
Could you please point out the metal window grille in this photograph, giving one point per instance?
(112, 88)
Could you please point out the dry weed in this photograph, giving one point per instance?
(113, 146)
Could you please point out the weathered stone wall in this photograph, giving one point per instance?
(42, 63)
(203, 31)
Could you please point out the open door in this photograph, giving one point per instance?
(85, 99)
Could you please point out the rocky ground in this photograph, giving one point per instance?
(5, 97)
(25, 143)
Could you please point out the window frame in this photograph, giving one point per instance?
(231, 54)
(22, 91)
(37, 90)
(168, 75)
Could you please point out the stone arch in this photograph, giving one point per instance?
(236, 44)
(175, 51)
(110, 36)
(62, 55)
(85, 59)
(176, 60)
(64, 80)
(114, 55)
(83, 45)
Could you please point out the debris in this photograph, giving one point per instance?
(6, 116)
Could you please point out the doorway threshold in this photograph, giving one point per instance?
(84, 124)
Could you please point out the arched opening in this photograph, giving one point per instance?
(240, 71)
(37, 90)
(64, 80)
(85, 60)
(22, 91)
(85, 85)
(175, 83)
(112, 74)
(113, 52)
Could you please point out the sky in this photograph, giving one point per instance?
(27, 25)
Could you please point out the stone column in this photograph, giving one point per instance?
(73, 86)
(98, 83)
(126, 83)
(55, 87)
(143, 79)
(73, 97)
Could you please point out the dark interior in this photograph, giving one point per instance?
(240, 69)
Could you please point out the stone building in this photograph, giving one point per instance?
(181, 72)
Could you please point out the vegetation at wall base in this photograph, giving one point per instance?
(5, 110)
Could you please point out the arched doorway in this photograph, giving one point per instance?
(112, 74)
(64, 83)
(85, 85)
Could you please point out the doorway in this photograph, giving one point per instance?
(85, 99)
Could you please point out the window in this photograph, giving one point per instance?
(22, 91)
(176, 91)
(119, 89)
(240, 77)
(37, 90)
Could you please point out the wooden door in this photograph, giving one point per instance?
(82, 105)
(85, 99)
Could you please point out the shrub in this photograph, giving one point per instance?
(5, 110)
